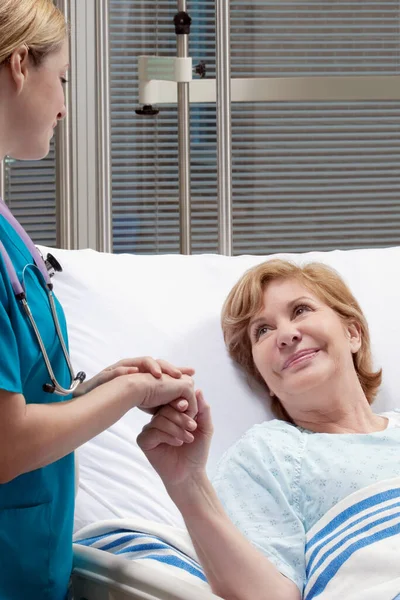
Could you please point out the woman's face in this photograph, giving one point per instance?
(38, 104)
(299, 344)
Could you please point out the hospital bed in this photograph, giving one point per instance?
(169, 306)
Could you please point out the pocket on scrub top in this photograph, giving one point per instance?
(25, 552)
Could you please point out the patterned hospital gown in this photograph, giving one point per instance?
(278, 480)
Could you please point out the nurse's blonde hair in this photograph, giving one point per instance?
(37, 23)
(246, 299)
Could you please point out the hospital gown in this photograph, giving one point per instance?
(278, 480)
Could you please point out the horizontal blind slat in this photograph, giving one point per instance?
(30, 192)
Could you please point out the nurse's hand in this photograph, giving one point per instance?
(128, 366)
(151, 393)
(176, 445)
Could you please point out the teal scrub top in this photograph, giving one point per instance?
(36, 508)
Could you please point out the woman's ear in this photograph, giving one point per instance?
(354, 333)
(19, 62)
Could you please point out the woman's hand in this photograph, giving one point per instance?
(176, 445)
(128, 366)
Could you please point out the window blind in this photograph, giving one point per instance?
(30, 192)
(305, 175)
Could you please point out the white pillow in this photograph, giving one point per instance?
(169, 307)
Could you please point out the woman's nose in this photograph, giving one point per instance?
(288, 336)
(61, 115)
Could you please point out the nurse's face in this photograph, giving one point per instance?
(38, 103)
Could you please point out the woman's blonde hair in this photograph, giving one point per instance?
(246, 299)
(37, 23)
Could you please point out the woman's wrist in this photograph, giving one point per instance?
(195, 491)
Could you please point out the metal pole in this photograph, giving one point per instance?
(182, 41)
(104, 220)
(64, 207)
(224, 133)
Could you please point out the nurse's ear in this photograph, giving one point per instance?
(19, 66)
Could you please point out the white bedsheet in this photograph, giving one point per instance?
(169, 306)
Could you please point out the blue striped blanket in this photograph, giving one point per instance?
(167, 549)
(353, 552)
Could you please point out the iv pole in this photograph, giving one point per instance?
(182, 29)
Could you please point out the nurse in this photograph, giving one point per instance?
(39, 430)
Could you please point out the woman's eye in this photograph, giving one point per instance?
(63, 80)
(299, 310)
(260, 331)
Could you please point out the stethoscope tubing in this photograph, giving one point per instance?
(20, 294)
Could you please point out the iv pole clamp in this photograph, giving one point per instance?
(182, 22)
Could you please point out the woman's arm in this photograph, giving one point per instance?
(35, 435)
(235, 569)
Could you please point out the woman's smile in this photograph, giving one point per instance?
(300, 357)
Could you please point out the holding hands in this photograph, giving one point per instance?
(177, 439)
(176, 445)
(129, 366)
(146, 383)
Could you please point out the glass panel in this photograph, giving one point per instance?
(305, 175)
(145, 149)
(30, 192)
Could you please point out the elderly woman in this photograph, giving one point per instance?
(301, 332)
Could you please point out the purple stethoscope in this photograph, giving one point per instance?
(20, 293)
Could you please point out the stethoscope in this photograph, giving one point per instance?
(20, 293)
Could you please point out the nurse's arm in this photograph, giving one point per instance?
(35, 435)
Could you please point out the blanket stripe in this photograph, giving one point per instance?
(348, 535)
(346, 528)
(136, 545)
(356, 509)
(328, 573)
